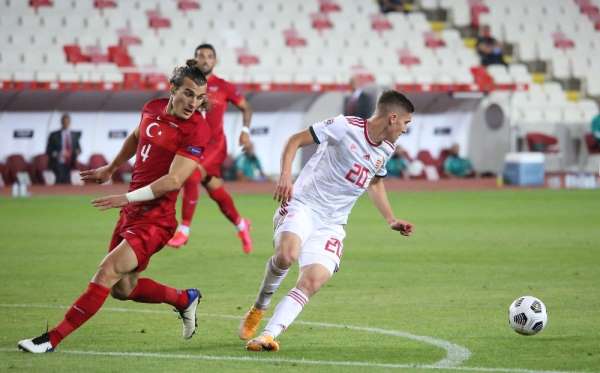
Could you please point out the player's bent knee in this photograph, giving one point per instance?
(285, 258)
(287, 251)
(118, 293)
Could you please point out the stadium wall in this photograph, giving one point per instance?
(440, 121)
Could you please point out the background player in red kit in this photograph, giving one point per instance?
(168, 144)
(220, 92)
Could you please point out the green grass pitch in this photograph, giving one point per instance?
(472, 254)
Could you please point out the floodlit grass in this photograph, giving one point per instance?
(472, 253)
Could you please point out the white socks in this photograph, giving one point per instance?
(184, 229)
(286, 312)
(241, 225)
(274, 276)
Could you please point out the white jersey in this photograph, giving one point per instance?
(341, 169)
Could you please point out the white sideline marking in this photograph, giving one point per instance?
(455, 354)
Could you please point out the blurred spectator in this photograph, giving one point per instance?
(488, 48)
(248, 166)
(398, 164)
(359, 103)
(596, 129)
(456, 166)
(62, 150)
(386, 6)
(228, 168)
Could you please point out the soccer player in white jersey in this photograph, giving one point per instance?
(309, 225)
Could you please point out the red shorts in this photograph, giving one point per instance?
(145, 236)
(215, 155)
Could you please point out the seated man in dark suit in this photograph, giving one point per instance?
(62, 150)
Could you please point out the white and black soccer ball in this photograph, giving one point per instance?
(527, 315)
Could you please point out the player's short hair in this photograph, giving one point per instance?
(205, 46)
(190, 70)
(391, 99)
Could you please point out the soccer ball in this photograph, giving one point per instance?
(527, 315)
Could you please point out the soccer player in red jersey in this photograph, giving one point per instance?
(220, 92)
(168, 145)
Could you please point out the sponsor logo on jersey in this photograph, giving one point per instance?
(367, 157)
(329, 121)
(213, 88)
(195, 150)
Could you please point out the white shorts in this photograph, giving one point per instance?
(320, 243)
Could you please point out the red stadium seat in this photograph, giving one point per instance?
(3, 180)
(118, 55)
(540, 142)
(442, 158)
(123, 173)
(320, 21)
(97, 160)
(132, 81)
(380, 23)
(591, 144)
(74, 54)
(293, 39)
(40, 3)
(101, 4)
(327, 6)
(186, 5)
(432, 40)
(15, 163)
(156, 20)
(126, 37)
(408, 58)
(38, 165)
(248, 59)
(426, 157)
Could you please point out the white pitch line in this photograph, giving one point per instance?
(291, 361)
(455, 354)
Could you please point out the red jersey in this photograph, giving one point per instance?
(220, 92)
(161, 137)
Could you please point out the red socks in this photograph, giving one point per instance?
(191, 192)
(225, 202)
(146, 291)
(150, 291)
(81, 311)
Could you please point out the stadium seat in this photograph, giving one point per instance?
(39, 171)
(123, 173)
(427, 159)
(96, 160)
(541, 142)
(3, 180)
(591, 144)
(15, 164)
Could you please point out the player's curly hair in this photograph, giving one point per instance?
(190, 70)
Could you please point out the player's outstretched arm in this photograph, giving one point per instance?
(379, 197)
(102, 174)
(181, 168)
(283, 190)
(246, 110)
